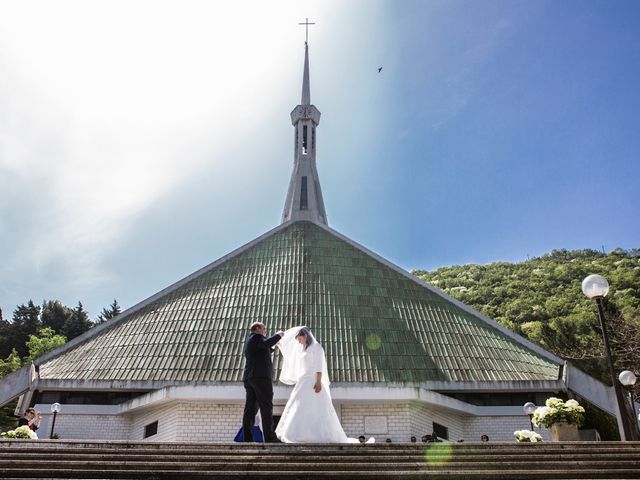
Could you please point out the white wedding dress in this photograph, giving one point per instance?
(308, 417)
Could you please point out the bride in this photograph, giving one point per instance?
(309, 415)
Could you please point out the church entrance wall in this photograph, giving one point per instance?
(220, 422)
(396, 420)
(401, 420)
(85, 422)
(176, 421)
(190, 421)
(498, 428)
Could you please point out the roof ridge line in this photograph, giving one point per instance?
(140, 305)
(491, 322)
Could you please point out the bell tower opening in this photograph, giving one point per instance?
(304, 203)
(304, 139)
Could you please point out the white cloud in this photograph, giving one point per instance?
(106, 106)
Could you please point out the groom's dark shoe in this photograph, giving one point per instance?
(273, 440)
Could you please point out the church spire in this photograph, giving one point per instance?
(304, 198)
(306, 95)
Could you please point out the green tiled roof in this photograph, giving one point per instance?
(376, 323)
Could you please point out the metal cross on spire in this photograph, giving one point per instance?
(306, 24)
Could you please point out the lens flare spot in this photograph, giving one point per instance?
(373, 341)
(438, 454)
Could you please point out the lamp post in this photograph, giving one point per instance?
(55, 408)
(528, 409)
(628, 380)
(596, 288)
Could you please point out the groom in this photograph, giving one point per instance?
(258, 372)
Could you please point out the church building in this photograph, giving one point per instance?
(404, 358)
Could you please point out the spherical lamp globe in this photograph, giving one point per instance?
(627, 378)
(529, 408)
(595, 286)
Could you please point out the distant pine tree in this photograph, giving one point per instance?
(25, 322)
(77, 323)
(54, 315)
(109, 313)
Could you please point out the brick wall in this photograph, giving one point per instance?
(204, 421)
(88, 426)
(423, 417)
(191, 421)
(177, 421)
(403, 419)
(207, 422)
(412, 418)
(396, 416)
(498, 428)
(168, 423)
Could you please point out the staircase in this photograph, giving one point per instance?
(57, 459)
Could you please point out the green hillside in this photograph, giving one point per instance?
(541, 299)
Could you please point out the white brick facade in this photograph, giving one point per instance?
(406, 419)
(177, 421)
(219, 422)
(498, 428)
(84, 423)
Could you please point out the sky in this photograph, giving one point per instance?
(143, 140)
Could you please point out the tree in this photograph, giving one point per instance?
(77, 323)
(26, 321)
(10, 364)
(624, 336)
(7, 419)
(6, 338)
(107, 314)
(45, 342)
(542, 300)
(54, 314)
(37, 346)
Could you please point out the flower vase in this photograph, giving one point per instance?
(564, 432)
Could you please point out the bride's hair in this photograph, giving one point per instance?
(306, 333)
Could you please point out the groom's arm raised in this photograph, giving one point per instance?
(267, 343)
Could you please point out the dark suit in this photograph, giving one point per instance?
(257, 378)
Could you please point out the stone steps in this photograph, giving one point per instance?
(297, 458)
(44, 444)
(318, 465)
(441, 474)
(50, 459)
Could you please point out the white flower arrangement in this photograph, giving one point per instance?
(556, 411)
(527, 436)
(20, 432)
